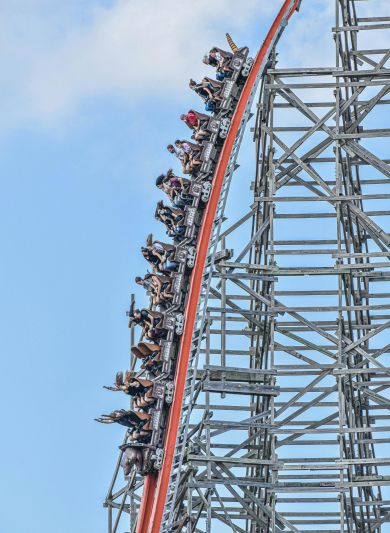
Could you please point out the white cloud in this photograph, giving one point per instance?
(60, 54)
(56, 55)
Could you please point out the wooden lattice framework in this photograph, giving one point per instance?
(284, 421)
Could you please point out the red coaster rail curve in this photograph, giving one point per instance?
(156, 485)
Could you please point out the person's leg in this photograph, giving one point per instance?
(148, 365)
(178, 218)
(148, 399)
(179, 231)
(171, 265)
(136, 400)
(157, 321)
(148, 425)
(167, 295)
(203, 133)
(156, 358)
(178, 202)
(141, 403)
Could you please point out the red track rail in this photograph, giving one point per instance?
(156, 485)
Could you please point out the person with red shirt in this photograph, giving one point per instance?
(196, 122)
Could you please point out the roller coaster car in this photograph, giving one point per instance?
(151, 458)
(218, 127)
(156, 423)
(173, 322)
(191, 215)
(169, 392)
(206, 191)
(163, 390)
(192, 221)
(208, 156)
(185, 255)
(152, 452)
(212, 126)
(200, 189)
(168, 354)
(211, 147)
(195, 189)
(224, 126)
(179, 223)
(241, 65)
(177, 287)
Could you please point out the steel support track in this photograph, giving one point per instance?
(155, 506)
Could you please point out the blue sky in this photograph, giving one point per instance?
(78, 162)
(90, 96)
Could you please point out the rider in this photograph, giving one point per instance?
(205, 93)
(139, 423)
(131, 456)
(161, 256)
(172, 218)
(150, 321)
(209, 90)
(196, 122)
(176, 188)
(140, 389)
(220, 59)
(158, 286)
(150, 353)
(189, 154)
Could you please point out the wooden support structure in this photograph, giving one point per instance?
(284, 424)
